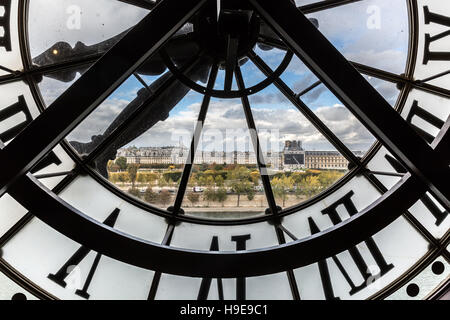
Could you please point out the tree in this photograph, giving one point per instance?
(132, 173)
(281, 187)
(134, 192)
(122, 177)
(113, 177)
(173, 175)
(202, 181)
(162, 182)
(164, 197)
(250, 194)
(209, 181)
(219, 181)
(192, 180)
(254, 175)
(221, 195)
(209, 194)
(150, 196)
(240, 181)
(310, 186)
(141, 177)
(151, 177)
(122, 163)
(327, 178)
(193, 197)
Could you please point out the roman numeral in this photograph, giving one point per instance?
(417, 111)
(426, 200)
(60, 276)
(206, 282)
(357, 258)
(10, 111)
(17, 108)
(5, 40)
(241, 244)
(431, 17)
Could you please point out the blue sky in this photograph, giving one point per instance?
(350, 28)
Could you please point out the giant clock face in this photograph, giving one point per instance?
(205, 149)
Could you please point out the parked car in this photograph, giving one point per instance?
(198, 189)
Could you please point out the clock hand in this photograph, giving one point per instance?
(157, 110)
(181, 47)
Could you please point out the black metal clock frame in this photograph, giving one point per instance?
(334, 71)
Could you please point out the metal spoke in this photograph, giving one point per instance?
(434, 77)
(53, 175)
(256, 144)
(157, 276)
(231, 61)
(6, 69)
(52, 68)
(308, 89)
(264, 175)
(194, 143)
(290, 234)
(29, 215)
(382, 173)
(376, 183)
(303, 108)
(431, 89)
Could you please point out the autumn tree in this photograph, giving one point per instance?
(134, 192)
(209, 181)
(150, 196)
(141, 178)
(219, 181)
(193, 197)
(122, 163)
(310, 186)
(209, 195)
(162, 182)
(281, 187)
(122, 177)
(250, 194)
(254, 176)
(132, 173)
(221, 195)
(240, 181)
(327, 178)
(164, 197)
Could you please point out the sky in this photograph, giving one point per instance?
(372, 32)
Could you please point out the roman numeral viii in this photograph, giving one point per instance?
(6, 114)
(357, 258)
(431, 17)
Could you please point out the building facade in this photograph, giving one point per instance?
(293, 157)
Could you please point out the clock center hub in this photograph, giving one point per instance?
(228, 34)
